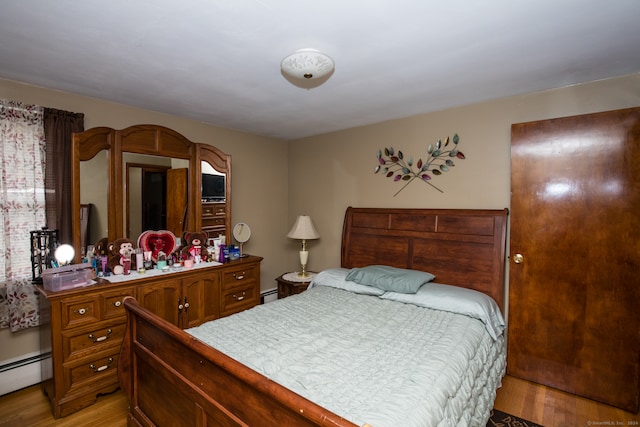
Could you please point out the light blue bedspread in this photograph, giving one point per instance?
(367, 359)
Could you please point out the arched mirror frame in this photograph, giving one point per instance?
(144, 139)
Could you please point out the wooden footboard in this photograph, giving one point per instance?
(173, 379)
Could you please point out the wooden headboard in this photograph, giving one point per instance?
(461, 247)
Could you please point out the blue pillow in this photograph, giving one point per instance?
(390, 278)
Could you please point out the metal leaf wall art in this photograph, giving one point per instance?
(439, 160)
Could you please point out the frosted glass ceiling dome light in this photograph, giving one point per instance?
(307, 68)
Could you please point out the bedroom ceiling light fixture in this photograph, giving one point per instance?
(307, 68)
(303, 230)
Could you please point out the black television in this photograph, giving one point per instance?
(213, 188)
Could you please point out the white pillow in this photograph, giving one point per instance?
(456, 300)
(336, 278)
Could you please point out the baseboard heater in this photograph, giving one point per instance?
(268, 295)
(22, 372)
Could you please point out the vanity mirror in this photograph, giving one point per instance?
(156, 191)
(242, 233)
(145, 176)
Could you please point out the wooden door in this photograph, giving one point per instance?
(574, 299)
(176, 201)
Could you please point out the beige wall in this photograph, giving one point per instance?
(259, 183)
(274, 181)
(330, 172)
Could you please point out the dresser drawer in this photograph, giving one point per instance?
(239, 299)
(218, 209)
(91, 372)
(112, 306)
(239, 276)
(213, 222)
(80, 311)
(85, 341)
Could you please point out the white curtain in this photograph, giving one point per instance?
(22, 209)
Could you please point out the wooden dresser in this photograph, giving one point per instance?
(83, 328)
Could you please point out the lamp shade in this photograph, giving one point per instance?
(303, 229)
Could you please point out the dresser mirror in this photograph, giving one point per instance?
(156, 191)
(94, 192)
(143, 177)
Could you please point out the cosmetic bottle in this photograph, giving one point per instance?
(139, 259)
(221, 250)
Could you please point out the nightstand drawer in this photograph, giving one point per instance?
(80, 311)
(239, 276)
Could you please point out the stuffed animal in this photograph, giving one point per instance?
(101, 248)
(195, 245)
(120, 250)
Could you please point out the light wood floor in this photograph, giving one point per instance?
(29, 407)
(550, 407)
(542, 405)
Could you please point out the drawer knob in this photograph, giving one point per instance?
(80, 311)
(103, 367)
(117, 303)
(239, 276)
(240, 297)
(102, 338)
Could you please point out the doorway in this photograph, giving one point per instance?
(146, 197)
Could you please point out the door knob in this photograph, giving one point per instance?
(518, 258)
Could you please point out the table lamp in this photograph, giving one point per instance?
(303, 230)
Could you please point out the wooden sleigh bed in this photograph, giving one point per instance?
(174, 379)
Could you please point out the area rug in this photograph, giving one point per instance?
(500, 419)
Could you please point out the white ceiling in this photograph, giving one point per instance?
(217, 61)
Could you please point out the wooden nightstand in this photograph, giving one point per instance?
(288, 284)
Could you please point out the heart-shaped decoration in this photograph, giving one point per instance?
(156, 242)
